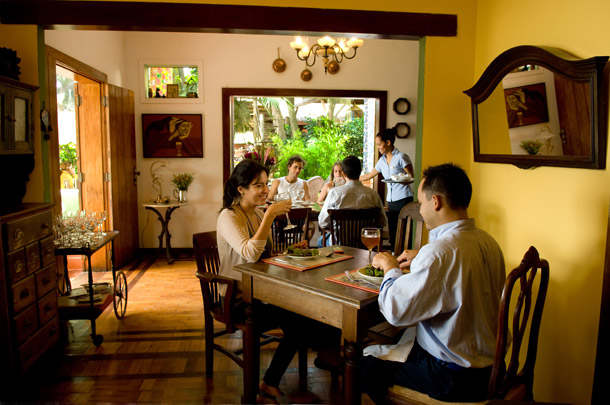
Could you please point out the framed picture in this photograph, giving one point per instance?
(172, 90)
(172, 135)
(526, 105)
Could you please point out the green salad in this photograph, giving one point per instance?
(370, 270)
(302, 252)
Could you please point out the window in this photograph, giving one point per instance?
(165, 82)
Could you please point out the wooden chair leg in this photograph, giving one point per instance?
(209, 347)
(303, 362)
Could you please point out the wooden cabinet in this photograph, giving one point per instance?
(29, 322)
(17, 120)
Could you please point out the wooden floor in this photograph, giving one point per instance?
(156, 353)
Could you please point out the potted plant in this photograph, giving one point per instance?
(182, 182)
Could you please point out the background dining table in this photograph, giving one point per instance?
(307, 293)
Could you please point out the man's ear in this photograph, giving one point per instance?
(437, 201)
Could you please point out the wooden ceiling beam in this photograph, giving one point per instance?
(181, 17)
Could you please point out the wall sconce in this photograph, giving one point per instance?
(331, 51)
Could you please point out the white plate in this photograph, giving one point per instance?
(409, 180)
(376, 280)
(302, 257)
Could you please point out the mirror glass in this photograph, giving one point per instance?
(534, 108)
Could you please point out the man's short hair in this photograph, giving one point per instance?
(352, 167)
(295, 158)
(450, 181)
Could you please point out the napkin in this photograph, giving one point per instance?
(398, 352)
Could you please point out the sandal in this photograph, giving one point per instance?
(266, 398)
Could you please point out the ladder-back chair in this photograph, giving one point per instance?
(346, 226)
(410, 229)
(283, 238)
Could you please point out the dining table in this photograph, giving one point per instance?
(311, 293)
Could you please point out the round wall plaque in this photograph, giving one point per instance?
(401, 106)
(402, 129)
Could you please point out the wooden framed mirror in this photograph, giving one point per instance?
(536, 106)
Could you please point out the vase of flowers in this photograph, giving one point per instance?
(182, 182)
(263, 155)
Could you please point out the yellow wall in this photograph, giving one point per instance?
(23, 39)
(563, 212)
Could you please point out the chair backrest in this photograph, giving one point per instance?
(283, 238)
(510, 382)
(208, 264)
(409, 219)
(315, 184)
(346, 225)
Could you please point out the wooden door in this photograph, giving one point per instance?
(123, 179)
(574, 118)
(92, 154)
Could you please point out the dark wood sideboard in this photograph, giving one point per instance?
(29, 322)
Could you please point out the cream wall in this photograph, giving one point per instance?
(561, 211)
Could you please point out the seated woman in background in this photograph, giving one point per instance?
(291, 182)
(336, 179)
(243, 231)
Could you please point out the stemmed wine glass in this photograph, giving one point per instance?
(370, 238)
(282, 197)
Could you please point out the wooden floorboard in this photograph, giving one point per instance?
(156, 353)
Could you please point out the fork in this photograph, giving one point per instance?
(352, 278)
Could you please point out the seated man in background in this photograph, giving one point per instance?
(353, 195)
(452, 295)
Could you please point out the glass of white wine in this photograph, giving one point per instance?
(282, 197)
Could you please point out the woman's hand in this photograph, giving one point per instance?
(279, 208)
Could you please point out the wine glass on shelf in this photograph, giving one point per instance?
(282, 197)
(370, 237)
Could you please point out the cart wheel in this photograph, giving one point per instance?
(97, 340)
(120, 295)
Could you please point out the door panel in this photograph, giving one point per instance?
(124, 196)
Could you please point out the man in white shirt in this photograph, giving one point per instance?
(353, 195)
(452, 295)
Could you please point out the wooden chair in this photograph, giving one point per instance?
(346, 225)
(208, 265)
(507, 383)
(284, 238)
(315, 184)
(409, 219)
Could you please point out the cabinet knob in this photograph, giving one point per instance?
(18, 234)
(47, 308)
(18, 266)
(24, 294)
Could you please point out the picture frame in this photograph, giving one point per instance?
(526, 105)
(173, 90)
(172, 135)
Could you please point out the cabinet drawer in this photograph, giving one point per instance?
(47, 251)
(16, 265)
(24, 293)
(39, 343)
(27, 230)
(47, 307)
(45, 280)
(26, 323)
(32, 255)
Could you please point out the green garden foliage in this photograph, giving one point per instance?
(67, 153)
(321, 144)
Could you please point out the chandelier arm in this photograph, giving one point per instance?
(353, 56)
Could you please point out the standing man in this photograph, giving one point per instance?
(452, 295)
(353, 195)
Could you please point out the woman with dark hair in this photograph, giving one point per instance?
(392, 162)
(243, 231)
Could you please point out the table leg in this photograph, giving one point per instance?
(251, 357)
(168, 236)
(97, 339)
(353, 354)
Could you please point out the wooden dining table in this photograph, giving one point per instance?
(308, 293)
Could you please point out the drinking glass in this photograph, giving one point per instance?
(282, 197)
(370, 238)
(101, 217)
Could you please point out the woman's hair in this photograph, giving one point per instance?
(388, 134)
(295, 158)
(332, 171)
(243, 174)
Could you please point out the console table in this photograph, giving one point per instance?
(164, 219)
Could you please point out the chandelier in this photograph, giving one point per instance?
(331, 51)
